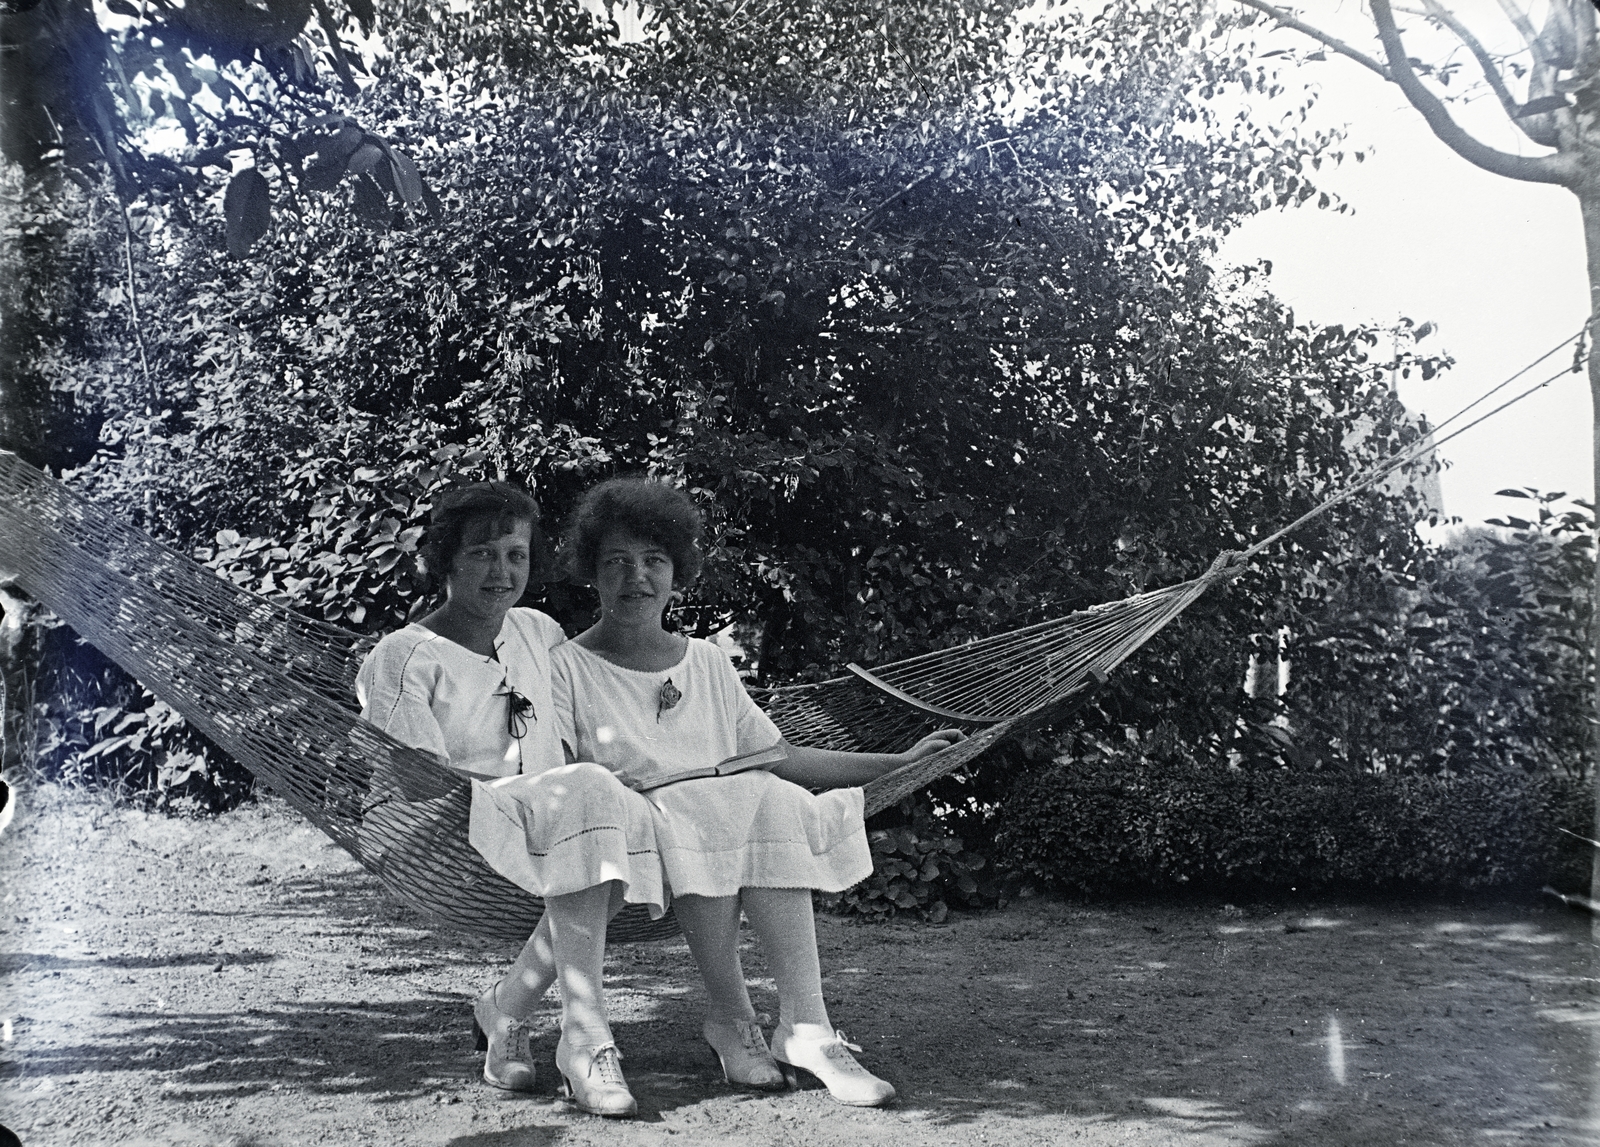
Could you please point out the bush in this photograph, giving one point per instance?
(93, 725)
(1111, 818)
(918, 867)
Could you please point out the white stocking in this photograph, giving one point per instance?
(782, 919)
(711, 925)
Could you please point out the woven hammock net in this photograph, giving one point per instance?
(275, 689)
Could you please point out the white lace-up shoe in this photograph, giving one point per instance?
(829, 1059)
(594, 1080)
(742, 1049)
(506, 1043)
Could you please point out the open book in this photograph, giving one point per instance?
(760, 759)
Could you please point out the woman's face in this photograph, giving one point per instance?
(489, 574)
(633, 577)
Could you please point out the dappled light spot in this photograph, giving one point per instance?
(1499, 933)
(1335, 1051)
(1579, 1015)
(1015, 983)
(1200, 1122)
(1191, 1108)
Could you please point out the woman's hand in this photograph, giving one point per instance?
(932, 743)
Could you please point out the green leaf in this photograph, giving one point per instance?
(246, 211)
(322, 173)
(364, 158)
(406, 177)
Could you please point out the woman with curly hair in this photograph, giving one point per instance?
(639, 704)
(470, 682)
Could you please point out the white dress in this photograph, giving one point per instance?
(716, 835)
(431, 693)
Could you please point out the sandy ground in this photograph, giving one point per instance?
(240, 982)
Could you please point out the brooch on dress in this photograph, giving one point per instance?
(518, 710)
(670, 695)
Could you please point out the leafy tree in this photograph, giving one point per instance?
(235, 76)
(1550, 90)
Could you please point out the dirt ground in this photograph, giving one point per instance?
(240, 982)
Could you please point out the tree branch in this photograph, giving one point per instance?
(133, 305)
(1521, 22)
(1288, 20)
(336, 49)
(1537, 128)
(1491, 71)
(1558, 169)
(1588, 51)
(912, 186)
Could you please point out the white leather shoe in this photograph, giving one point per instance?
(506, 1043)
(594, 1080)
(742, 1049)
(829, 1059)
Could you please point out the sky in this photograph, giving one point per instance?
(1496, 264)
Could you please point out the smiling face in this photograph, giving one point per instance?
(633, 577)
(488, 574)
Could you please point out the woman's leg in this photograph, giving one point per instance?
(711, 925)
(530, 977)
(782, 919)
(586, 1055)
(577, 932)
(805, 1037)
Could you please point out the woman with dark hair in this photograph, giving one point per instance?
(470, 682)
(442, 683)
(648, 704)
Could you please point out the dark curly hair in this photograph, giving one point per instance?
(462, 506)
(654, 511)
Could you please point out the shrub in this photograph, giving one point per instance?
(917, 867)
(93, 725)
(1110, 818)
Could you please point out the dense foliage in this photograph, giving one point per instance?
(1105, 818)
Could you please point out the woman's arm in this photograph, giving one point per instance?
(832, 769)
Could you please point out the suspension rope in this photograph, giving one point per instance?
(1428, 442)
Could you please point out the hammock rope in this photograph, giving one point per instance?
(275, 689)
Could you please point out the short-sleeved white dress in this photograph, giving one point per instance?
(431, 693)
(716, 835)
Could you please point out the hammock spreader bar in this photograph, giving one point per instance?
(921, 706)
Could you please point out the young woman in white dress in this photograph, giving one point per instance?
(470, 682)
(646, 703)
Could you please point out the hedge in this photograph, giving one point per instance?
(1102, 825)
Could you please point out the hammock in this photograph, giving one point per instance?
(275, 689)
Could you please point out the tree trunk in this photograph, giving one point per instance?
(1589, 204)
